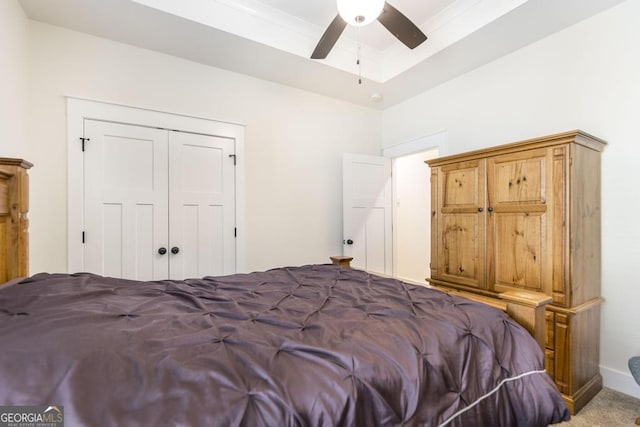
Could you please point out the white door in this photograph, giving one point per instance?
(202, 205)
(158, 204)
(126, 206)
(367, 212)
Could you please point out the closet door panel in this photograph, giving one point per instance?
(202, 205)
(126, 204)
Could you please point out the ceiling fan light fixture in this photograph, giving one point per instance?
(360, 12)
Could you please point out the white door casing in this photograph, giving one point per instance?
(367, 212)
(80, 110)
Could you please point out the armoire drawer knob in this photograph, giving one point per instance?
(175, 250)
(162, 251)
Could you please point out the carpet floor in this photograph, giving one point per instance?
(609, 408)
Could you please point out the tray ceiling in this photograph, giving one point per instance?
(273, 39)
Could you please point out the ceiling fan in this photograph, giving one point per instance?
(363, 12)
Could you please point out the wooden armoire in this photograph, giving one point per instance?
(526, 216)
(14, 224)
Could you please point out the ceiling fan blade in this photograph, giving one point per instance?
(329, 38)
(401, 27)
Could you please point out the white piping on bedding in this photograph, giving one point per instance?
(481, 398)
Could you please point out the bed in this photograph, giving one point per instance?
(315, 345)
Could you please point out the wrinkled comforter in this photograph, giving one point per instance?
(317, 345)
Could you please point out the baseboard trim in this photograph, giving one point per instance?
(620, 381)
(583, 395)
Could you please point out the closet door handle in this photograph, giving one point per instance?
(175, 250)
(162, 251)
(490, 209)
(480, 209)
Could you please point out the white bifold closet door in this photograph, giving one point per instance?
(201, 205)
(159, 204)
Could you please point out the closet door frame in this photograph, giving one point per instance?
(79, 109)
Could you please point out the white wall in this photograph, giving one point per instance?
(293, 141)
(14, 39)
(412, 230)
(585, 77)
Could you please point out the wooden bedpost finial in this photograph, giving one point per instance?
(343, 261)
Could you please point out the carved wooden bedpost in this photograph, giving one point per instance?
(343, 261)
(528, 308)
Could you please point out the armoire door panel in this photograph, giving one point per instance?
(460, 223)
(518, 181)
(462, 186)
(516, 241)
(520, 221)
(461, 249)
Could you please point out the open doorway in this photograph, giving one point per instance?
(412, 217)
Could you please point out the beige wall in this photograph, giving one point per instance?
(14, 48)
(293, 141)
(585, 77)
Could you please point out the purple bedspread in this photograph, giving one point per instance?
(316, 345)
